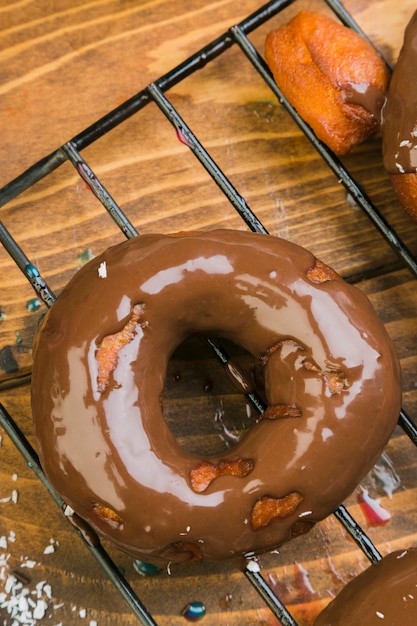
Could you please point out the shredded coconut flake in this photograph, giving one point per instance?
(23, 603)
(253, 566)
(102, 270)
(28, 563)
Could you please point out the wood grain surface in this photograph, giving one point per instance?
(65, 64)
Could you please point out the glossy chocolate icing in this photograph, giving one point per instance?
(113, 449)
(399, 115)
(385, 593)
(366, 95)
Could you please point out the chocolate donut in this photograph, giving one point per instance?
(399, 123)
(332, 77)
(385, 593)
(100, 359)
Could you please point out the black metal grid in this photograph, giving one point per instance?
(70, 151)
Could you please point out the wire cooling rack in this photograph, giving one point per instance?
(237, 35)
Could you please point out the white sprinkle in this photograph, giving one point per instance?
(23, 604)
(15, 496)
(102, 270)
(404, 143)
(2, 500)
(28, 563)
(68, 511)
(380, 615)
(82, 613)
(253, 566)
(272, 274)
(3, 542)
(49, 549)
(11, 580)
(40, 609)
(14, 477)
(93, 622)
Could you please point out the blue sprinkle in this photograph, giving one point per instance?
(146, 569)
(194, 611)
(31, 271)
(33, 305)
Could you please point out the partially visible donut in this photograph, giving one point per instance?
(100, 359)
(385, 593)
(399, 123)
(331, 75)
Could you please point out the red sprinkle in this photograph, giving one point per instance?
(372, 509)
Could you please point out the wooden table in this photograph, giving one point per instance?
(64, 65)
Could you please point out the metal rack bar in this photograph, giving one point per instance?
(271, 600)
(99, 190)
(29, 270)
(238, 202)
(357, 534)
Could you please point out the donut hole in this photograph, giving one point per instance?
(202, 407)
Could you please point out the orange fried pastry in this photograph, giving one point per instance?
(331, 75)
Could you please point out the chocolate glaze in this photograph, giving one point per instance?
(399, 115)
(113, 449)
(366, 95)
(385, 593)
